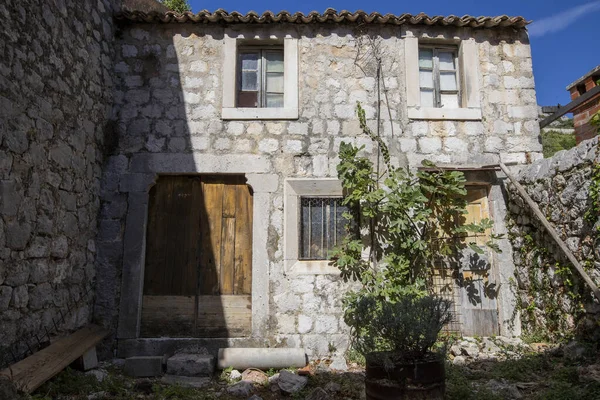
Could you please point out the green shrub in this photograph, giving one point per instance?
(553, 141)
(179, 6)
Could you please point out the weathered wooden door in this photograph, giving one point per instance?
(470, 283)
(198, 273)
(477, 287)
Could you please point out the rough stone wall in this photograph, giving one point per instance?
(551, 296)
(168, 103)
(55, 97)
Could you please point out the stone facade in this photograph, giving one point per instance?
(167, 113)
(55, 95)
(551, 294)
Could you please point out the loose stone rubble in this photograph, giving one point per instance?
(498, 348)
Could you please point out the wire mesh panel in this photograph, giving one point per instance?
(322, 226)
(444, 286)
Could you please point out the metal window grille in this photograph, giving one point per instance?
(322, 226)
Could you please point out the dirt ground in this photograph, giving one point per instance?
(543, 375)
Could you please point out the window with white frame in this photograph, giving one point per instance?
(322, 226)
(313, 224)
(442, 79)
(260, 77)
(438, 77)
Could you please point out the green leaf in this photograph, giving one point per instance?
(476, 248)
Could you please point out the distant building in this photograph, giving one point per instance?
(584, 111)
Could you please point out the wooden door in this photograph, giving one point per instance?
(198, 273)
(224, 301)
(476, 283)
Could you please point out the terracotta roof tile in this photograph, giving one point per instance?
(330, 15)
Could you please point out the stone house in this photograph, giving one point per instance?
(195, 189)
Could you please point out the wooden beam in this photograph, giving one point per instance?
(552, 232)
(32, 372)
(569, 107)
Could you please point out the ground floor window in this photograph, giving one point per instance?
(322, 226)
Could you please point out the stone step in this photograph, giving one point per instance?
(191, 365)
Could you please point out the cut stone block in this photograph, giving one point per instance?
(143, 366)
(191, 365)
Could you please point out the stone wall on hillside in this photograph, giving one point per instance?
(551, 295)
(55, 96)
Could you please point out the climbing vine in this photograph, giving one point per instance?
(593, 211)
(552, 297)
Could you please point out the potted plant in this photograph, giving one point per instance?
(396, 339)
(406, 225)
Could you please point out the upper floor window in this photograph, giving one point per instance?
(442, 79)
(260, 78)
(438, 77)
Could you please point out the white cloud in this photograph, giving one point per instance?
(561, 20)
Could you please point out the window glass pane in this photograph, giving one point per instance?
(304, 229)
(331, 237)
(426, 98)
(249, 80)
(247, 99)
(249, 61)
(447, 80)
(449, 100)
(446, 60)
(316, 228)
(426, 58)
(274, 100)
(426, 79)
(340, 222)
(274, 61)
(275, 83)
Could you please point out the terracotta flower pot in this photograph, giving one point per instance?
(404, 378)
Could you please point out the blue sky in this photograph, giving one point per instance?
(564, 34)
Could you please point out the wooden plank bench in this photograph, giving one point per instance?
(30, 373)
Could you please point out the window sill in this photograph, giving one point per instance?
(259, 113)
(320, 267)
(460, 114)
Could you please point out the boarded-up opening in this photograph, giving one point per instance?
(198, 273)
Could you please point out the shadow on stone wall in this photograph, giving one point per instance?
(145, 206)
(55, 98)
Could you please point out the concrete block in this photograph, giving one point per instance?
(147, 366)
(262, 358)
(191, 365)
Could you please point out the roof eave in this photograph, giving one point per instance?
(329, 16)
